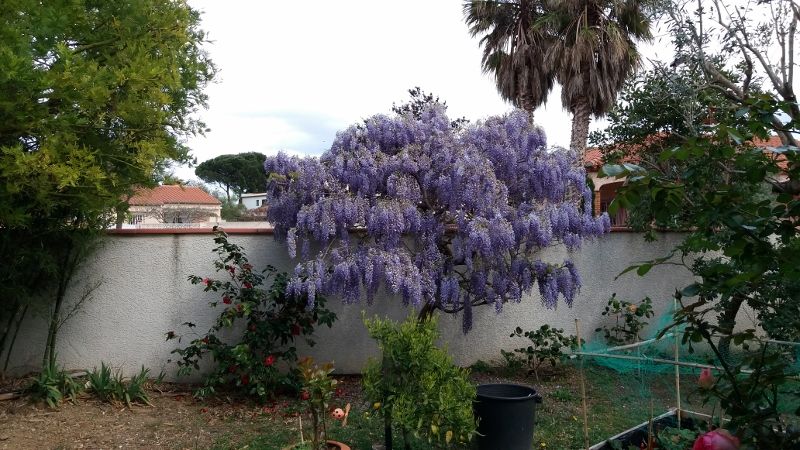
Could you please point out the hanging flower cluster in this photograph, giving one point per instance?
(441, 217)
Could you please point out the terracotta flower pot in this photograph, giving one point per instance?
(336, 445)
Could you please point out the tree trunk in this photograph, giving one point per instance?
(526, 102)
(581, 116)
(14, 338)
(727, 322)
(426, 312)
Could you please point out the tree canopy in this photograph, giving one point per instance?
(97, 98)
(709, 146)
(240, 173)
(446, 219)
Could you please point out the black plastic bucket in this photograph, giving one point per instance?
(506, 415)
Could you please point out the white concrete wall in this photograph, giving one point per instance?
(144, 293)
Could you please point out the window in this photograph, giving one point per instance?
(177, 218)
(136, 219)
(257, 200)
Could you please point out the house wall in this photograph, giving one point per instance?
(143, 293)
(152, 215)
(249, 202)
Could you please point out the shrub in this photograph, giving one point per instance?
(112, 387)
(547, 345)
(271, 319)
(318, 388)
(53, 385)
(417, 386)
(629, 320)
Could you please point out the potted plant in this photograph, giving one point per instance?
(318, 389)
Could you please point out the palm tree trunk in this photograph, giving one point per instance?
(526, 102)
(581, 115)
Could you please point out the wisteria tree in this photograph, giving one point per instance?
(447, 219)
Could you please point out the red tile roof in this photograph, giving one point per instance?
(173, 194)
(593, 158)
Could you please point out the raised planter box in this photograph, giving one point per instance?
(638, 434)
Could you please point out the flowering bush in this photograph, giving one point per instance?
(271, 318)
(446, 218)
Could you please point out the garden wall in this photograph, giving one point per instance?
(143, 293)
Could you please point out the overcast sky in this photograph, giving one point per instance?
(291, 73)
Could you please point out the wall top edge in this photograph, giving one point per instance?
(198, 230)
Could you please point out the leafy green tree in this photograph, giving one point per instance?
(97, 98)
(691, 146)
(240, 173)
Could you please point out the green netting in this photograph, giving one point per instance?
(648, 366)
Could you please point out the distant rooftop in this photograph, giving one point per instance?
(173, 194)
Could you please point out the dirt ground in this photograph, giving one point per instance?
(178, 421)
(174, 421)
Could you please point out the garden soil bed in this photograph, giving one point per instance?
(178, 421)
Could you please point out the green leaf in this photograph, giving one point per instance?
(691, 290)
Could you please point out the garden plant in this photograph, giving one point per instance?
(415, 386)
(629, 320)
(547, 345)
(711, 175)
(270, 320)
(445, 218)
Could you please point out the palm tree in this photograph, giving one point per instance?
(593, 53)
(513, 48)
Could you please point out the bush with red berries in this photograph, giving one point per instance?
(264, 360)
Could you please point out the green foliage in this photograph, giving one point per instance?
(629, 320)
(112, 387)
(232, 211)
(416, 384)
(53, 385)
(271, 321)
(546, 346)
(318, 387)
(97, 98)
(735, 201)
(676, 438)
(240, 173)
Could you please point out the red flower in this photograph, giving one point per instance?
(245, 380)
(269, 360)
(226, 300)
(295, 330)
(248, 285)
(232, 369)
(231, 269)
(706, 380)
(305, 395)
(247, 266)
(252, 327)
(718, 439)
(239, 307)
(206, 281)
(204, 410)
(205, 340)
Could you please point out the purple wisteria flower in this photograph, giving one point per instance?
(445, 218)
